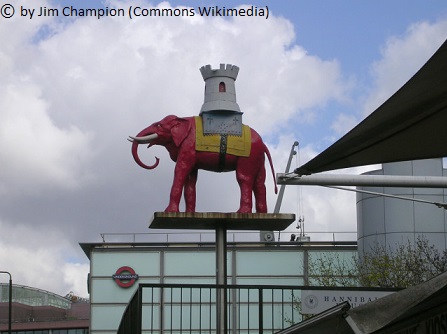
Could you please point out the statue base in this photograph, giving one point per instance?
(228, 221)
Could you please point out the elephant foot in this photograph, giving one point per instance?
(172, 208)
(261, 208)
(244, 210)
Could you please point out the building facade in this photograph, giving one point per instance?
(117, 269)
(36, 311)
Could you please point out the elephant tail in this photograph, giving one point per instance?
(267, 152)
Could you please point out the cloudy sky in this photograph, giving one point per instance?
(73, 88)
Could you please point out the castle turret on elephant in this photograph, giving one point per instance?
(184, 140)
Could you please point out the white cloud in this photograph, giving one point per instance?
(75, 278)
(149, 68)
(343, 123)
(402, 57)
(35, 257)
(35, 153)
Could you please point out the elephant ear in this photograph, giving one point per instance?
(180, 129)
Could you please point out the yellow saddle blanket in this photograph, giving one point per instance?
(236, 145)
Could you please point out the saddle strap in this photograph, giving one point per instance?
(222, 151)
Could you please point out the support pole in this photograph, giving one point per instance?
(10, 301)
(283, 186)
(10, 306)
(364, 180)
(221, 278)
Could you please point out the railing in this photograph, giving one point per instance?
(192, 308)
(239, 236)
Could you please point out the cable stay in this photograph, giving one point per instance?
(440, 205)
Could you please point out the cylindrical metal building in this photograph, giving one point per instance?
(391, 222)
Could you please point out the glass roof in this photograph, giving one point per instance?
(32, 296)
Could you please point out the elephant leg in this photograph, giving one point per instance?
(245, 181)
(190, 191)
(181, 172)
(174, 198)
(260, 192)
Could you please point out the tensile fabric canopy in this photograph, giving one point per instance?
(410, 125)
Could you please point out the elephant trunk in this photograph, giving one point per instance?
(142, 139)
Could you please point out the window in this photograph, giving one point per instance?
(222, 88)
(71, 331)
(45, 331)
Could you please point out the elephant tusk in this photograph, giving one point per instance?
(143, 140)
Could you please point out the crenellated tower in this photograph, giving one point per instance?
(220, 111)
(220, 91)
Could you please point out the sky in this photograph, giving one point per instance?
(73, 88)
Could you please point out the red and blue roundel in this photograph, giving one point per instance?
(125, 277)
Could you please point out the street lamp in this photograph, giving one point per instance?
(10, 300)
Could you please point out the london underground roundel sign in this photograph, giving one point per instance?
(125, 277)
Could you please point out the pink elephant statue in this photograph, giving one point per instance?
(178, 136)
